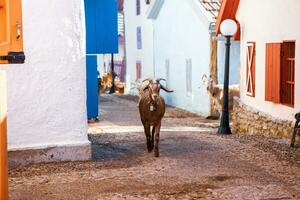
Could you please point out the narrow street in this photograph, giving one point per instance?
(194, 162)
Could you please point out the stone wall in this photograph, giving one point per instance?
(247, 120)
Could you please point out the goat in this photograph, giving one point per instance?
(152, 109)
(216, 92)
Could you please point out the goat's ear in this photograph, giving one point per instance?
(146, 88)
(166, 89)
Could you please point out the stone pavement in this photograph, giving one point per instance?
(194, 162)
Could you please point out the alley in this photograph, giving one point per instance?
(195, 162)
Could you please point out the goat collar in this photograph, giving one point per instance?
(153, 105)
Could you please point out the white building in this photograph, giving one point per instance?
(270, 71)
(138, 42)
(185, 49)
(46, 96)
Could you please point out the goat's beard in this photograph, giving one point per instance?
(154, 100)
(153, 103)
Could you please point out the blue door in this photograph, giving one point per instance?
(101, 18)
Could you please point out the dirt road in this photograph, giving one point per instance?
(194, 163)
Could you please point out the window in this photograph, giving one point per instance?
(288, 73)
(280, 72)
(167, 65)
(250, 73)
(139, 37)
(189, 77)
(138, 7)
(11, 35)
(138, 70)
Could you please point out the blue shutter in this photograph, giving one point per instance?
(92, 86)
(101, 26)
(139, 37)
(138, 7)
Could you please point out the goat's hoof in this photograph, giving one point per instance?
(292, 145)
(156, 154)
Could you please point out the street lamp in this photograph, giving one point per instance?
(228, 29)
(112, 89)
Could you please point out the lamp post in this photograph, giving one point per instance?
(228, 29)
(112, 89)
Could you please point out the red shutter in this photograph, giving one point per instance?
(138, 70)
(273, 65)
(288, 73)
(250, 71)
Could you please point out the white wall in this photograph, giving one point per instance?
(145, 55)
(263, 22)
(47, 94)
(181, 32)
(234, 73)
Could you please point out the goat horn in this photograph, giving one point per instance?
(160, 79)
(204, 77)
(166, 89)
(147, 79)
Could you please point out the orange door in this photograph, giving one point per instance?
(3, 140)
(11, 27)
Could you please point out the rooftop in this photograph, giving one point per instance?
(211, 7)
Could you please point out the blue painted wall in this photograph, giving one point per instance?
(101, 26)
(101, 18)
(92, 86)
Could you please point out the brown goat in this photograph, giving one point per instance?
(152, 109)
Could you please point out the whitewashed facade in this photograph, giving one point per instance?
(182, 52)
(46, 96)
(142, 53)
(268, 26)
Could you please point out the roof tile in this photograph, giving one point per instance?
(212, 7)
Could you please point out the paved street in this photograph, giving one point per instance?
(194, 163)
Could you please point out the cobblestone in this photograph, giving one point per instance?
(195, 163)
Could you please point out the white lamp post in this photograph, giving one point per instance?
(228, 29)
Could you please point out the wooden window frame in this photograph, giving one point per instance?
(250, 68)
(280, 73)
(287, 88)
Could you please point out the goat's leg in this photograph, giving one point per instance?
(148, 137)
(156, 143)
(152, 138)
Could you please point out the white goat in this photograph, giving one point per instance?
(216, 92)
